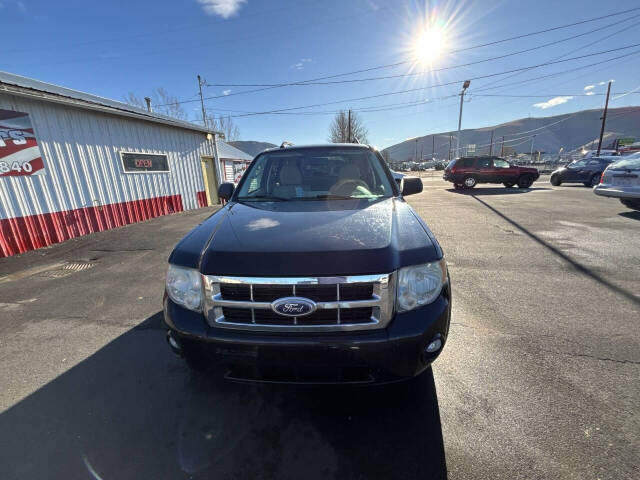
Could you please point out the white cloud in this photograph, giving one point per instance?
(222, 8)
(589, 87)
(300, 65)
(590, 93)
(373, 6)
(226, 92)
(552, 102)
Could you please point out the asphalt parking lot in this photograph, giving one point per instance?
(540, 377)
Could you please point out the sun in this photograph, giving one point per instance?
(430, 44)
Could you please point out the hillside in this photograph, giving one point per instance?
(251, 147)
(572, 131)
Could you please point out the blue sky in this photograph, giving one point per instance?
(112, 48)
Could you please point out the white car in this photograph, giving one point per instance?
(622, 180)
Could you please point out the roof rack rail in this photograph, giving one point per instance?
(286, 144)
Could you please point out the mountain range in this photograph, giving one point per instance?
(569, 131)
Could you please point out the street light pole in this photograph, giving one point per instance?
(465, 85)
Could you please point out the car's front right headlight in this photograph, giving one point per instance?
(420, 285)
(184, 287)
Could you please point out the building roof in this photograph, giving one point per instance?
(28, 87)
(230, 152)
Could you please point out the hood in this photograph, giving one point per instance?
(308, 238)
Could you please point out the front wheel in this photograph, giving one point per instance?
(595, 180)
(457, 186)
(470, 182)
(525, 181)
(508, 184)
(555, 180)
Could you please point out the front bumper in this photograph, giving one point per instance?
(616, 192)
(377, 356)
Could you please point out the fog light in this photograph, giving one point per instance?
(434, 346)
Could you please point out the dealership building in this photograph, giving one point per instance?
(72, 163)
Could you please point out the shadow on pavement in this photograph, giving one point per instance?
(577, 265)
(495, 191)
(631, 215)
(132, 410)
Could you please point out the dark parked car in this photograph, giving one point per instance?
(467, 172)
(587, 171)
(316, 270)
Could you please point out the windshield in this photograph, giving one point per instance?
(315, 174)
(630, 162)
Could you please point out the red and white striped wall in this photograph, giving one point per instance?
(83, 188)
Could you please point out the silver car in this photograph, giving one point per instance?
(622, 180)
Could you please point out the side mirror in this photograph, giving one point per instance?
(225, 191)
(411, 185)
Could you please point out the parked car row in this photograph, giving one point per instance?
(611, 176)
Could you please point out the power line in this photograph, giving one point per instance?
(452, 82)
(412, 74)
(431, 86)
(407, 61)
(582, 47)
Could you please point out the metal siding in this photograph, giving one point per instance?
(83, 170)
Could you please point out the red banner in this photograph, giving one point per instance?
(19, 151)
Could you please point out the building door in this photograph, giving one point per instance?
(210, 180)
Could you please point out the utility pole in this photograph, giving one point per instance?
(604, 118)
(531, 153)
(416, 156)
(349, 128)
(204, 115)
(433, 147)
(421, 152)
(465, 85)
(502, 148)
(450, 135)
(491, 147)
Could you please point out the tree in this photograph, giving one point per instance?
(224, 124)
(339, 129)
(161, 102)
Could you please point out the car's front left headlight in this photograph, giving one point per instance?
(420, 285)
(184, 287)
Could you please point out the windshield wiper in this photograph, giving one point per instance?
(331, 197)
(265, 198)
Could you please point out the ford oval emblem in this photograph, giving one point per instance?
(293, 306)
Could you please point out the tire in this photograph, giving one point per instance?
(525, 181)
(632, 204)
(595, 180)
(555, 180)
(457, 186)
(508, 184)
(469, 182)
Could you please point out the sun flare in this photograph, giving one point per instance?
(430, 45)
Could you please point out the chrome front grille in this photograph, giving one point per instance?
(342, 303)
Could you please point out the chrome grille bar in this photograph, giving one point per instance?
(380, 300)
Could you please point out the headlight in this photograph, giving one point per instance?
(420, 285)
(184, 286)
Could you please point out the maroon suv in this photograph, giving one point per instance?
(467, 172)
